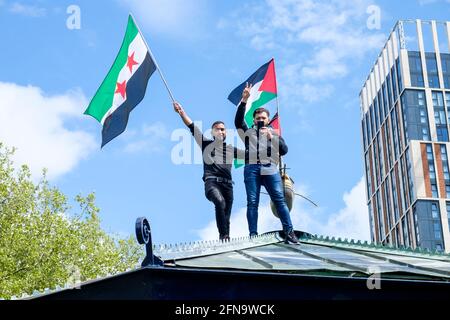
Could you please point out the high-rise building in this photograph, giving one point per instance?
(405, 114)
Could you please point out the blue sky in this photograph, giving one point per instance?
(323, 52)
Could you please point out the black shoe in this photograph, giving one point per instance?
(291, 237)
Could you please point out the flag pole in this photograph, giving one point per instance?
(154, 60)
(280, 162)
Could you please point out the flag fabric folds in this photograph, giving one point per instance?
(275, 124)
(124, 86)
(264, 89)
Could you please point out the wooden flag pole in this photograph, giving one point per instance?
(154, 60)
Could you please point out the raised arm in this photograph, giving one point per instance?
(179, 109)
(239, 118)
(240, 113)
(196, 132)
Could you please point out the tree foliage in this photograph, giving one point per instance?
(43, 244)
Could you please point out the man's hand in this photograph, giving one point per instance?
(246, 92)
(266, 132)
(177, 108)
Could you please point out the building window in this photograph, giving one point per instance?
(415, 115)
(442, 133)
(388, 143)
(405, 231)
(439, 116)
(423, 116)
(437, 230)
(372, 225)
(410, 176)
(415, 69)
(372, 121)
(447, 102)
(394, 83)
(425, 135)
(445, 169)
(432, 71)
(380, 104)
(403, 186)
(385, 102)
(399, 75)
(377, 117)
(395, 197)
(416, 226)
(395, 133)
(380, 216)
(445, 62)
(434, 211)
(388, 204)
(368, 176)
(380, 156)
(363, 130)
(389, 89)
(448, 215)
(375, 158)
(432, 171)
(429, 152)
(434, 192)
(368, 129)
(436, 217)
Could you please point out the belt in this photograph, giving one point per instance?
(219, 179)
(264, 164)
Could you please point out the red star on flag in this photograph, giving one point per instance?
(121, 88)
(131, 62)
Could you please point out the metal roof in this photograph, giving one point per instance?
(268, 252)
(325, 259)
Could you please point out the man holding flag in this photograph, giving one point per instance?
(217, 161)
(124, 86)
(263, 147)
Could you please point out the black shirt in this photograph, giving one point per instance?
(256, 148)
(217, 155)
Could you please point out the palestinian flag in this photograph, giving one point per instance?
(275, 124)
(124, 86)
(264, 89)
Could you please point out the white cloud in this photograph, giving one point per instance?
(27, 10)
(35, 123)
(150, 138)
(179, 18)
(350, 222)
(327, 36)
(353, 220)
(293, 84)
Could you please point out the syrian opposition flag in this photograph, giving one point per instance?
(124, 86)
(264, 89)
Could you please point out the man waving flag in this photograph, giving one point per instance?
(264, 89)
(125, 84)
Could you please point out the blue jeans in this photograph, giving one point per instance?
(253, 182)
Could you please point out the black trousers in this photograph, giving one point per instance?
(221, 194)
